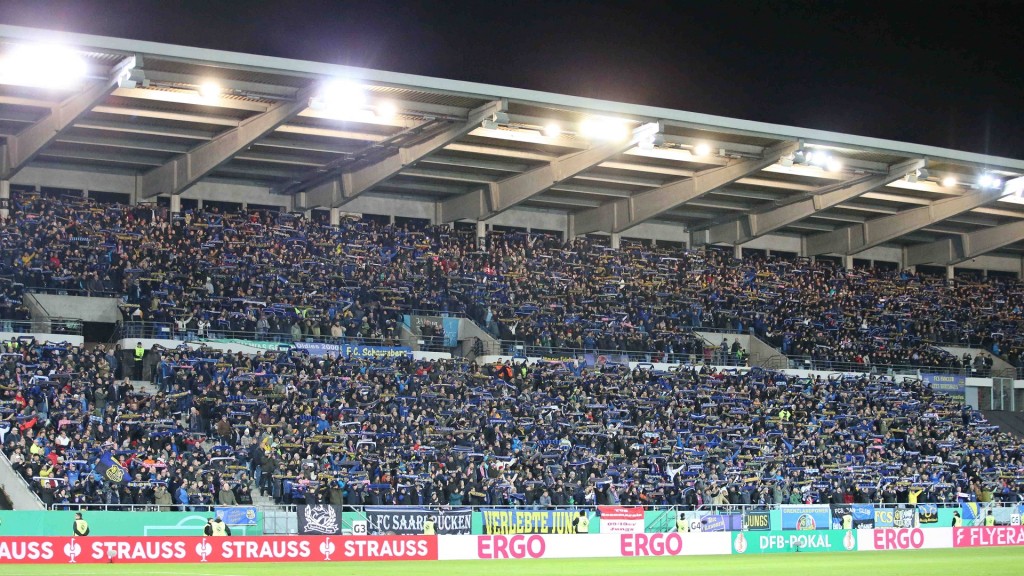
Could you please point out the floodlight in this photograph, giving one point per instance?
(209, 90)
(597, 128)
(340, 96)
(800, 157)
(387, 110)
(986, 181)
(949, 181)
(42, 66)
(833, 165)
(701, 149)
(552, 130)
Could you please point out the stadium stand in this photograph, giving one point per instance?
(401, 431)
(276, 276)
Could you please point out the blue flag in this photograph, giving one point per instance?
(111, 470)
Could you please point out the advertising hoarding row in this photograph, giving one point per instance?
(193, 549)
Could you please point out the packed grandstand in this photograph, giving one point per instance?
(307, 428)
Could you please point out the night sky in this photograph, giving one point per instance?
(941, 73)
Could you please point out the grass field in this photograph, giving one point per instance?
(973, 562)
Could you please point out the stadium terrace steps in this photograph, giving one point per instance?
(17, 491)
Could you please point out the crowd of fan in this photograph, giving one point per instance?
(401, 431)
(277, 276)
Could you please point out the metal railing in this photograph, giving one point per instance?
(69, 326)
(521, 349)
(812, 363)
(73, 291)
(707, 508)
(168, 331)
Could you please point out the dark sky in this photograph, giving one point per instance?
(941, 73)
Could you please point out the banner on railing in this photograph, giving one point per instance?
(721, 522)
(191, 549)
(894, 517)
(593, 359)
(809, 517)
(953, 384)
(319, 519)
(411, 520)
(515, 521)
(621, 519)
(237, 515)
(353, 350)
(927, 514)
(849, 516)
(758, 521)
(783, 541)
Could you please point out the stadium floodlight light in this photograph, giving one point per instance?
(598, 128)
(387, 110)
(701, 149)
(42, 66)
(552, 130)
(800, 157)
(949, 181)
(833, 165)
(209, 90)
(989, 181)
(340, 97)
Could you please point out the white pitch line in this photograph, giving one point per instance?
(139, 572)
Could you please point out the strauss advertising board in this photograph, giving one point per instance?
(62, 550)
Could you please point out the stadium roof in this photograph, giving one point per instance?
(175, 115)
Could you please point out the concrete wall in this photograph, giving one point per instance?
(89, 309)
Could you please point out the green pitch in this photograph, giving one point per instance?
(975, 561)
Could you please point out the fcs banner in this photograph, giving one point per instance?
(410, 520)
(953, 384)
(850, 516)
(319, 519)
(757, 521)
(237, 515)
(788, 541)
(514, 521)
(621, 519)
(353, 350)
(192, 549)
(894, 517)
(811, 517)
